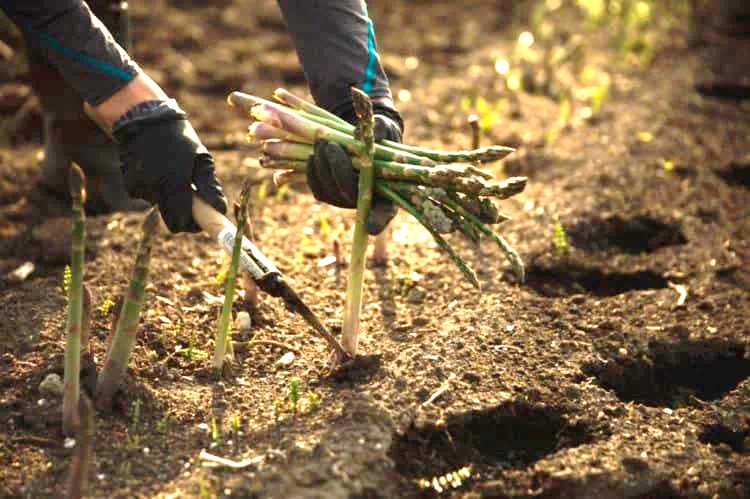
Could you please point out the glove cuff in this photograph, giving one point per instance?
(144, 113)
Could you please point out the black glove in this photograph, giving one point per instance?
(161, 157)
(333, 179)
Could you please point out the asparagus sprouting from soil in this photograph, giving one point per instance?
(83, 455)
(354, 285)
(126, 327)
(74, 325)
(223, 341)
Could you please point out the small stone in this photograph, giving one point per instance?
(244, 322)
(416, 295)
(52, 385)
(286, 359)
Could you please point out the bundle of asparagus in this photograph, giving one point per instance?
(444, 191)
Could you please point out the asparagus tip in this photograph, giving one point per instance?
(77, 183)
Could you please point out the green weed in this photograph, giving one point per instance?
(559, 236)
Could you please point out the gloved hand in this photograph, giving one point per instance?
(161, 157)
(333, 179)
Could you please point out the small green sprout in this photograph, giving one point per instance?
(163, 423)
(135, 415)
(236, 423)
(215, 429)
(262, 190)
(221, 275)
(314, 399)
(324, 226)
(294, 393)
(106, 307)
(559, 237)
(67, 274)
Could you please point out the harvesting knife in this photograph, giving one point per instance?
(262, 270)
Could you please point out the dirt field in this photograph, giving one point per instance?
(592, 379)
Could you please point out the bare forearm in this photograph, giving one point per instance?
(141, 89)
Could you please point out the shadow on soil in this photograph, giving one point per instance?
(566, 278)
(635, 235)
(671, 374)
(511, 435)
(737, 173)
(737, 439)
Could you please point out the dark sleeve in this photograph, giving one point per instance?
(76, 43)
(335, 40)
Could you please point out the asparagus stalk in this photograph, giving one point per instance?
(388, 192)
(72, 370)
(123, 339)
(511, 254)
(450, 177)
(81, 464)
(353, 307)
(223, 343)
(319, 115)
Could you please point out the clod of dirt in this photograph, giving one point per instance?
(634, 235)
(670, 374)
(564, 278)
(737, 173)
(511, 435)
(737, 439)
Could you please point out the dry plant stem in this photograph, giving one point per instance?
(386, 191)
(123, 339)
(476, 132)
(354, 285)
(72, 374)
(510, 253)
(84, 451)
(380, 250)
(223, 342)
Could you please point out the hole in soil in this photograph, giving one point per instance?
(737, 440)
(737, 173)
(639, 234)
(670, 374)
(512, 435)
(567, 279)
(725, 91)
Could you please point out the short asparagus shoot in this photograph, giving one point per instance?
(123, 339)
(74, 326)
(353, 307)
(223, 341)
(380, 250)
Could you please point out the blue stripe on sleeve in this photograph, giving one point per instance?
(372, 55)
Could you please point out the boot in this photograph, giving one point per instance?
(71, 136)
(725, 52)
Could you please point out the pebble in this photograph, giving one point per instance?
(244, 322)
(286, 359)
(52, 385)
(472, 377)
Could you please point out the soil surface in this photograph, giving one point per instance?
(619, 369)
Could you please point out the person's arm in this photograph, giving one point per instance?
(163, 160)
(335, 40)
(77, 44)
